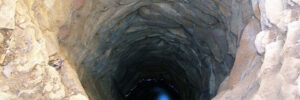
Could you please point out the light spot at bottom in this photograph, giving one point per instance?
(163, 97)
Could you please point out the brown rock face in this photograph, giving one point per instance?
(246, 53)
(145, 49)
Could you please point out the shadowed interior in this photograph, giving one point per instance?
(185, 43)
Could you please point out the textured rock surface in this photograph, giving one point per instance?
(278, 47)
(7, 14)
(25, 73)
(99, 49)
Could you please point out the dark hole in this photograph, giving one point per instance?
(153, 89)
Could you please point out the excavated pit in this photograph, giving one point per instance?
(149, 49)
(185, 49)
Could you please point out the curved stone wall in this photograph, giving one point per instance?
(191, 45)
(105, 49)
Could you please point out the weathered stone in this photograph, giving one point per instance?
(7, 14)
(77, 4)
(58, 94)
(293, 35)
(49, 4)
(78, 97)
(268, 87)
(255, 7)
(112, 44)
(272, 58)
(260, 47)
(289, 70)
(6, 96)
(246, 52)
(274, 10)
(26, 92)
(290, 15)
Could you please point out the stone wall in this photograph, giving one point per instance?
(196, 43)
(95, 49)
(272, 72)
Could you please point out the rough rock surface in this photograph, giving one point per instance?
(277, 78)
(25, 72)
(7, 14)
(211, 49)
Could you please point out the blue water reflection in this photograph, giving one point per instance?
(163, 96)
